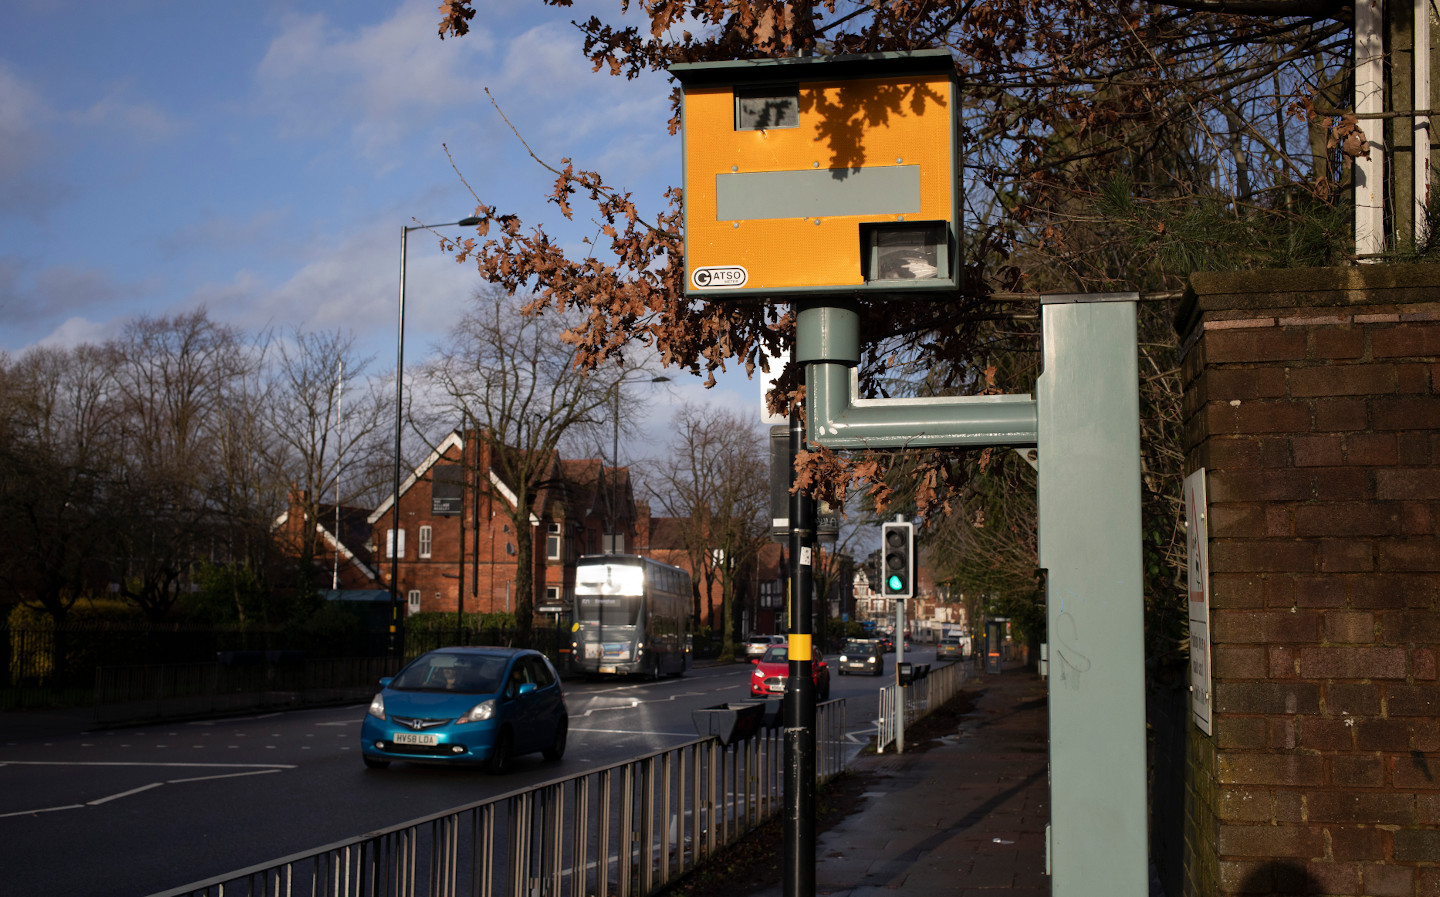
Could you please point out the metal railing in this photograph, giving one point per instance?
(922, 696)
(623, 831)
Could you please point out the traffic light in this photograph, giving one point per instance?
(897, 560)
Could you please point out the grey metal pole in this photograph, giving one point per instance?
(396, 644)
(1090, 544)
(899, 689)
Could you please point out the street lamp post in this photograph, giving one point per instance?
(397, 647)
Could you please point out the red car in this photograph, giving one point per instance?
(767, 678)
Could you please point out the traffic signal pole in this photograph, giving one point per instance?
(799, 709)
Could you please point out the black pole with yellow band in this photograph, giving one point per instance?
(799, 827)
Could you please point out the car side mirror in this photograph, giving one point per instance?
(525, 689)
(385, 681)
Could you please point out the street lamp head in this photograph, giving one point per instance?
(468, 222)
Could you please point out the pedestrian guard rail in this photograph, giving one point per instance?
(920, 697)
(626, 830)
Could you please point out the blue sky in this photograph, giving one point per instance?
(260, 158)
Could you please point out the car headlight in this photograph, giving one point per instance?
(377, 707)
(758, 674)
(870, 659)
(483, 710)
(844, 659)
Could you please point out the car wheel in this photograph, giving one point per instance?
(556, 750)
(499, 762)
(372, 763)
(825, 691)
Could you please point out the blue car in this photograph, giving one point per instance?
(467, 705)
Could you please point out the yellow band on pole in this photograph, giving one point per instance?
(800, 645)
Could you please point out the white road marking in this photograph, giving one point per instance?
(634, 732)
(252, 769)
(105, 800)
(138, 763)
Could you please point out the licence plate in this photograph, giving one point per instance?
(415, 738)
(609, 669)
(777, 687)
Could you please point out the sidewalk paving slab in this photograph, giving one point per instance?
(962, 818)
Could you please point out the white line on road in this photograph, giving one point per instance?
(137, 763)
(250, 767)
(105, 800)
(635, 732)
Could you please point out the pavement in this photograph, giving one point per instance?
(962, 818)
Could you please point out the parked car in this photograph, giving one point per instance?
(773, 669)
(864, 656)
(757, 645)
(467, 705)
(950, 648)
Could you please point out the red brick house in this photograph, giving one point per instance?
(342, 544)
(458, 549)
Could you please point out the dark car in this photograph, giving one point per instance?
(771, 672)
(467, 705)
(863, 656)
(887, 644)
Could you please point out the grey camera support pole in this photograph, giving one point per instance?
(1084, 420)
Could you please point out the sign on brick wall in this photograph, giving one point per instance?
(1197, 540)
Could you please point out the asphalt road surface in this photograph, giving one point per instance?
(140, 810)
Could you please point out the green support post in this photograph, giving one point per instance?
(1085, 421)
(1089, 496)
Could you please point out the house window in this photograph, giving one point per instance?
(390, 551)
(426, 535)
(554, 542)
(414, 599)
(552, 594)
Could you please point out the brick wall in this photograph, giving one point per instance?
(1312, 399)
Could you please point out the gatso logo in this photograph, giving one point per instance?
(719, 277)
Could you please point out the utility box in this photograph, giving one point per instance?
(821, 175)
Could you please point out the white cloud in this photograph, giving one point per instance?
(381, 82)
(142, 122)
(25, 143)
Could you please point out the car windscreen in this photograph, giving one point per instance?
(860, 648)
(776, 654)
(447, 672)
(609, 610)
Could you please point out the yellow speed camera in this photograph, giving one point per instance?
(820, 175)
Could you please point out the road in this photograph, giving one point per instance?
(135, 811)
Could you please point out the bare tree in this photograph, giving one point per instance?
(57, 475)
(512, 380)
(327, 424)
(717, 483)
(169, 376)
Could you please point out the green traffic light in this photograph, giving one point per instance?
(895, 583)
